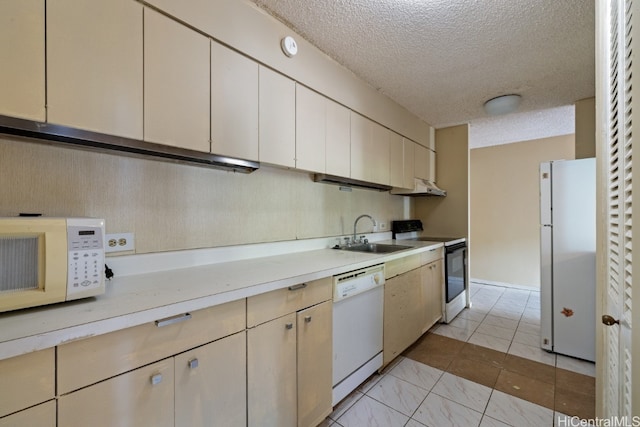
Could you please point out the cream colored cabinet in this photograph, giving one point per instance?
(26, 380)
(315, 351)
(277, 118)
(211, 384)
(271, 372)
(22, 49)
(310, 130)
(432, 293)
(43, 415)
(409, 163)
(338, 139)
(143, 397)
(176, 83)
(421, 161)
(289, 352)
(403, 319)
(396, 160)
(431, 158)
(95, 66)
(369, 150)
(234, 104)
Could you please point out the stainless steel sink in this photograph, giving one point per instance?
(376, 248)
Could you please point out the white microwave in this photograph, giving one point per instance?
(47, 260)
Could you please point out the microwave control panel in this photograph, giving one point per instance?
(85, 243)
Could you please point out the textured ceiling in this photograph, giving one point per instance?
(442, 59)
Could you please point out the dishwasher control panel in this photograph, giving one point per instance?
(356, 282)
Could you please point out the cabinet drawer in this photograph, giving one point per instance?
(402, 265)
(431, 255)
(88, 361)
(26, 380)
(270, 305)
(43, 415)
(143, 397)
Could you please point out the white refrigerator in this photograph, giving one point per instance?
(568, 255)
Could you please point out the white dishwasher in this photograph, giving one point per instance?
(358, 303)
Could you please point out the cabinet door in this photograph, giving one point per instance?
(277, 117)
(22, 75)
(421, 161)
(431, 155)
(143, 397)
(26, 380)
(360, 147)
(43, 415)
(234, 104)
(378, 156)
(432, 295)
(402, 315)
(271, 373)
(310, 130)
(94, 65)
(176, 83)
(396, 160)
(338, 139)
(211, 384)
(315, 354)
(409, 163)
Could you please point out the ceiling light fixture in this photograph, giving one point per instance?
(502, 104)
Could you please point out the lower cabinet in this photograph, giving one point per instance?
(289, 367)
(141, 397)
(412, 304)
(211, 384)
(43, 415)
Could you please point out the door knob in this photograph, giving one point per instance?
(609, 320)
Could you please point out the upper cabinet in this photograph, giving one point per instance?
(176, 84)
(234, 103)
(310, 130)
(421, 161)
(409, 148)
(338, 139)
(94, 65)
(396, 160)
(22, 49)
(277, 118)
(369, 150)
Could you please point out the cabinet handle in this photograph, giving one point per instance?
(307, 319)
(289, 326)
(193, 363)
(296, 287)
(156, 379)
(171, 320)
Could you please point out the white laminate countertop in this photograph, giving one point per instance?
(140, 298)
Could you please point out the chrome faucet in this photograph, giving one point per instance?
(355, 223)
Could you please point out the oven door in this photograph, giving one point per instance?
(455, 270)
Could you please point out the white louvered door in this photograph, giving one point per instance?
(616, 19)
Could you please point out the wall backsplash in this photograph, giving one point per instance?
(172, 206)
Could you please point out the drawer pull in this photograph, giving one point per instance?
(193, 363)
(156, 379)
(289, 326)
(171, 320)
(296, 287)
(307, 319)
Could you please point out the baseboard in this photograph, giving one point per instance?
(504, 285)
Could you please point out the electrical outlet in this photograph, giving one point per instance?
(120, 242)
(382, 226)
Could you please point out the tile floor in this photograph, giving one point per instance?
(483, 369)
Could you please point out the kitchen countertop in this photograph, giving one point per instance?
(140, 298)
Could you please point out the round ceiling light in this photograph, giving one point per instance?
(502, 104)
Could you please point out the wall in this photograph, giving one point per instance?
(585, 128)
(505, 240)
(171, 206)
(448, 216)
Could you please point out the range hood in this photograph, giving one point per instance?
(46, 132)
(421, 187)
(348, 182)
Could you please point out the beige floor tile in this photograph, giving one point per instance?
(576, 365)
(371, 413)
(462, 391)
(441, 412)
(345, 404)
(500, 321)
(528, 339)
(533, 353)
(517, 412)
(416, 373)
(400, 395)
(459, 334)
(489, 341)
(496, 331)
(490, 422)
